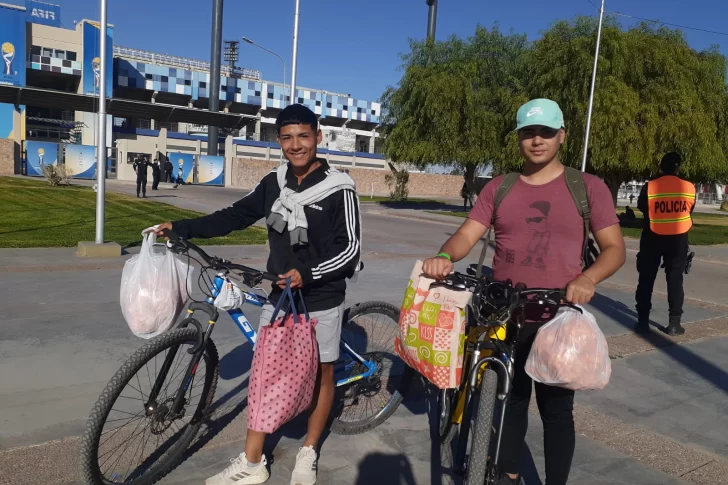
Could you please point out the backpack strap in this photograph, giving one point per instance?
(575, 183)
(505, 186)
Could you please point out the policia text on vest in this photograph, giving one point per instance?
(670, 202)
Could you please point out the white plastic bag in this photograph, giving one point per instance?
(570, 351)
(154, 289)
(230, 296)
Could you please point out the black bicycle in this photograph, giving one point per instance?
(495, 317)
(155, 404)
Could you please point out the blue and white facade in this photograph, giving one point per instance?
(38, 52)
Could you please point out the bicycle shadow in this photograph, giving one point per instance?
(385, 469)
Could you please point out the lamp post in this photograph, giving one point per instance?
(245, 39)
(431, 19)
(591, 94)
(101, 142)
(294, 62)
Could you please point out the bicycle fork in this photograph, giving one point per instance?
(152, 406)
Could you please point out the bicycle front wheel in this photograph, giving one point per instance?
(364, 404)
(480, 447)
(134, 438)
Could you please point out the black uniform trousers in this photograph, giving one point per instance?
(653, 250)
(155, 180)
(141, 185)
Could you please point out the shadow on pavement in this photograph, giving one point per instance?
(236, 362)
(679, 353)
(528, 468)
(384, 469)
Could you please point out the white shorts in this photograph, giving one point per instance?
(328, 330)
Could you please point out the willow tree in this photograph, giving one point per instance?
(456, 101)
(654, 94)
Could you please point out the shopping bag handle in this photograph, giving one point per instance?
(288, 295)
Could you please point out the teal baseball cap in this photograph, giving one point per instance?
(540, 112)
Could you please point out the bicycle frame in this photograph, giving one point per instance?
(238, 316)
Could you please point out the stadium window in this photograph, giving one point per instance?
(257, 93)
(165, 79)
(203, 85)
(300, 100)
(149, 77)
(70, 56)
(328, 105)
(318, 103)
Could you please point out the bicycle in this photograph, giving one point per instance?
(169, 415)
(495, 317)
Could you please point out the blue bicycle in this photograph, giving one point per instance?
(153, 407)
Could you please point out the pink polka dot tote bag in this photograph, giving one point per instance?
(285, 365)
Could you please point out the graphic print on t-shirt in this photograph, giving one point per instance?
(537, 221)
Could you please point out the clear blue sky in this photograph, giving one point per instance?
(353, 46)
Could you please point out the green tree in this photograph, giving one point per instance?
(654, 94)
(455, 102)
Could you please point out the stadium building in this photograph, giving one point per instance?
(157, 106)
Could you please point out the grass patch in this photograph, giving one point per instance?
(708, 229)
(35, 214)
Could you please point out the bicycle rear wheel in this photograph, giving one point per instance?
(133, 440)
(370, 330)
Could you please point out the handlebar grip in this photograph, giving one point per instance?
(169, 234)
(562, 293)
(270, 277)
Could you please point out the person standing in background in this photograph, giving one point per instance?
(168, 169)
(141, 166)
(667, 203)
(156, 174)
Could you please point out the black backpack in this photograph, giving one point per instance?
(575, 182)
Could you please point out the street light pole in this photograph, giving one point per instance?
(431, 19)
(593, 84)
(294, 63)
(101, 142)
(245, 39)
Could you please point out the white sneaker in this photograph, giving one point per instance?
(240, 472)
(304, 473)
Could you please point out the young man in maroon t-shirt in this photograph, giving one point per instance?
(539, 235)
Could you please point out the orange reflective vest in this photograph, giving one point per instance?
(670, 199)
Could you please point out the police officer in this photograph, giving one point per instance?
(156, 174)
(667, 203)
(141, 165)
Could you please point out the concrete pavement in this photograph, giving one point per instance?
(63, 337)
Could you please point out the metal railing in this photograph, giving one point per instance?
(183, 63)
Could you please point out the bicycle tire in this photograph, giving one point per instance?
(480, 447)
(352, 428)
(90, 470)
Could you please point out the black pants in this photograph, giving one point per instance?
(141, 185)
(155, 181)
(653, 250)
(168, 177)
(556, 406)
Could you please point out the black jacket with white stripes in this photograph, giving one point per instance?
(333, 231)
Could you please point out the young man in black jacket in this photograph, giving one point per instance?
(314, 233)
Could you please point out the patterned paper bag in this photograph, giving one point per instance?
(432, 330)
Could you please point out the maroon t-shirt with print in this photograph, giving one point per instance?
(538, 230)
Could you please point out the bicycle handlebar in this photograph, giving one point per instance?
(176, 244)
